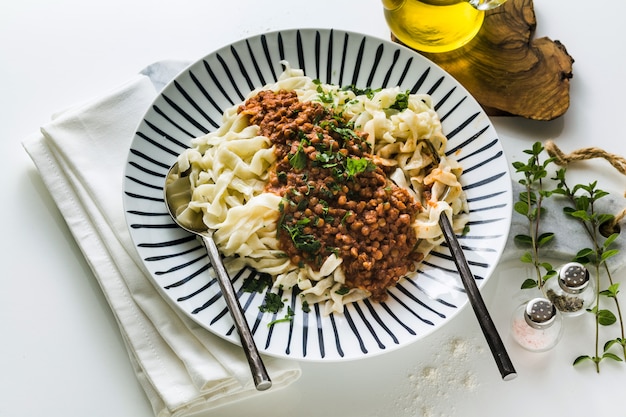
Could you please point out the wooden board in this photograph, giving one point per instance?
(507, 70)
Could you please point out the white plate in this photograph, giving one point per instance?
(192, 104)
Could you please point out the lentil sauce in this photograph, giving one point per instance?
(336, 197)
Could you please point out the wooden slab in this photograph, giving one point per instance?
(507, 70)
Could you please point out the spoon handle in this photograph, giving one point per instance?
(498, 350)
(260, 376)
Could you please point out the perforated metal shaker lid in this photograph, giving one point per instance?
(540, 313)
(573, 277)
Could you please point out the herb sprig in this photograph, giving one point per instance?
(582, 207)
(530, 205)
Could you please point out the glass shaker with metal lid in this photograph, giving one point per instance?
(572, 290)
(537, 325)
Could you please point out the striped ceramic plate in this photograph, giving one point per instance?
(192, 104)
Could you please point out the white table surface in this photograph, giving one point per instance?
(60, 350)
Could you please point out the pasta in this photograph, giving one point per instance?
(254, 182)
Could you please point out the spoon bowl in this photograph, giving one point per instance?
(177, 193)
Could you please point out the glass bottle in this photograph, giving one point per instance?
(571, 291)
(537, 325)
(436, 25)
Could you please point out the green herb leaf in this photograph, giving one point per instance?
(527, 258)
(582, 359)
(529, 283)
(610, 344)
(606, 317)
(521, 207)
(544, 239)
(523, 240)
(609, 355)
(609, 240)
(608, 254)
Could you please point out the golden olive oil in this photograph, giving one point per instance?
(434, 25)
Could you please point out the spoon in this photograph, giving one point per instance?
(177, 193)
(498, 350)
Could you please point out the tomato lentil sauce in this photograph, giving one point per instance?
(336, 197)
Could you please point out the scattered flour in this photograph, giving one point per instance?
(430, 387)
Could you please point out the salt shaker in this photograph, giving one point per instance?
(537, 325)
(571, 291)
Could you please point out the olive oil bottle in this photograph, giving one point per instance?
(433, 25)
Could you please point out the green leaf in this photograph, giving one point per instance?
(582, 359)
(603, 218)
(521, 207)
(549, 274)
(606, 317)
(599, 194)
(527, 258)
(524, 195)
(547, 266)
(582, 203)
(609, 240)
(611, 291)
(529, 283)
(584, 253)
(568, 210)
(610, 343)
(609, 355)
(544, 239)
(581, 215)
(523, 240)
(518, 165)
(609, 253)
(548, 161)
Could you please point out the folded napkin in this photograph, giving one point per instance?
(81, 155)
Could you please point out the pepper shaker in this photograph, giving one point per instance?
(537, 325)
(571, 291)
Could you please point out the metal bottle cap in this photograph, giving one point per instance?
(540, 313)
(573, 277)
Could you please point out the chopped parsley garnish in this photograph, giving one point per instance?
(302, 241)
(298, 160)
(342, 291)
(368, 92)
(402, 101)
(326, 97)
(355, 166)
(288, 317)
(254, 284)
(272, 303)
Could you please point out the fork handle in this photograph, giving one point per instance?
(260, 376)
(498, 350)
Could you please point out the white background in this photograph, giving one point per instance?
(60, 350)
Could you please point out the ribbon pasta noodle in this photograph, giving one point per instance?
(231, 169)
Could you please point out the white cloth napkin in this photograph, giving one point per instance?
(81, 155)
